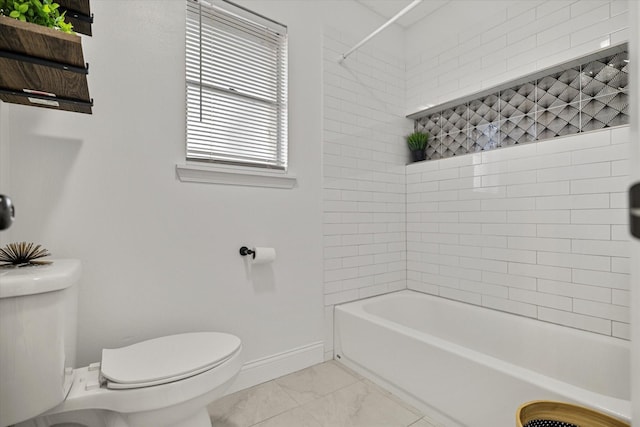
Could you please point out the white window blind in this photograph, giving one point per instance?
(236, 73)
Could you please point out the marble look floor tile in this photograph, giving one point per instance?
(296, 417)
(349, 370)
(359, 405)
(425, 422)
(392, 397)
(315, 382)
(248, 407)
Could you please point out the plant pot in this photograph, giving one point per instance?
(418, 155)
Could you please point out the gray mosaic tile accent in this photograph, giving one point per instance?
(603, 112)
(430, 124)
(453, 144)
(558, 121)
(558, 89)
(583, 98)
(433, 148)
(607, 76)
(484, 110)
(517, 130)
(483, 137)
(518, 101)
(455, 119)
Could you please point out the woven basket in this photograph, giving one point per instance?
(546, 413)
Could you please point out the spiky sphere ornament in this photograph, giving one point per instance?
(23, 253)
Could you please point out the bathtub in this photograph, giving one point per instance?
(464, 365)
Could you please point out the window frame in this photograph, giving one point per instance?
(263, 173)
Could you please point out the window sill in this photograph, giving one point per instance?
(248, 177)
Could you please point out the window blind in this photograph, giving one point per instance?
(236, 76)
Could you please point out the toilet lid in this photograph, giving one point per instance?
(165, 359)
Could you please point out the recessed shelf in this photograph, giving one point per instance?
(42, 67)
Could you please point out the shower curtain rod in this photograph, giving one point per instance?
(413, 4)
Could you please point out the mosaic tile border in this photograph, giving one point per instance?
(584, 95)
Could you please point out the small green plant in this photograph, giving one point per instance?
(41, 12)
(418, 140)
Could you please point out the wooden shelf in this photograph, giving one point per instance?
(42, 67)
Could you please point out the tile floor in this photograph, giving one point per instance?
(324, 395)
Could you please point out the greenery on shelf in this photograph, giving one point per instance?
(41, 12)
(418, 140)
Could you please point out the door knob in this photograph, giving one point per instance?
(7, 212)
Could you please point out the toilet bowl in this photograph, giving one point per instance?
(162, 382)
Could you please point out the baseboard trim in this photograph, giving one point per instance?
(277, 365)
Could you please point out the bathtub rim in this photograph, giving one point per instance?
(613, 406)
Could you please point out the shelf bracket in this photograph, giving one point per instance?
(44, 62)
(48, 98)
(78, 15)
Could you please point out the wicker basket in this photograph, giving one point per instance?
(546, 413)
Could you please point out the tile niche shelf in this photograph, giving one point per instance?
(581, 95)
(43, 67)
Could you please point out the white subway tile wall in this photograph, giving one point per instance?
(564, 259)
(503, 41)
(363, 174)
(540, 229)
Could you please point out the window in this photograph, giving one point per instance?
(236, 74)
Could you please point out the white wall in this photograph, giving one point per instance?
(161, 256)
(538, 230)
(364, 157)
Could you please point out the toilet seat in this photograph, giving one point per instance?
(166, 359)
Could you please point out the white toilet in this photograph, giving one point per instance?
(163, 382)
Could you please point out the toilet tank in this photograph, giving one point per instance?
(38, 308)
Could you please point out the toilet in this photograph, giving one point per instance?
(162, 382)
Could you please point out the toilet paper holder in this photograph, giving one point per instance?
(259, 255)
(244, 251)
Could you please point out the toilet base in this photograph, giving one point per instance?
(141, 407)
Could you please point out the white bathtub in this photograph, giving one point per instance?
(469, 366)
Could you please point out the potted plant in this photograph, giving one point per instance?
(41, 12)
(417, 142)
